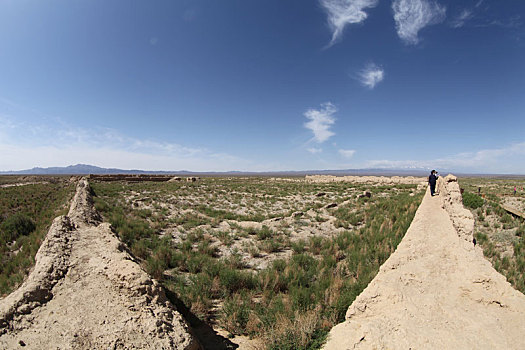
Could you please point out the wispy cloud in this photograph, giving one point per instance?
(413, 15)
(343, 12)
(320, 121)
(314, 150)
(6, 123)
(371, 75)
(347, 153)
(24, 146)
(503, 160)
(513, 22)
(460, 20)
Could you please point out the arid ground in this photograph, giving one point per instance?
(254, 262)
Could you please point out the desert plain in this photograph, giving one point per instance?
(261, 262)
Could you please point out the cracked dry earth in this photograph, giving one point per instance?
(436, 291)
(87, 292)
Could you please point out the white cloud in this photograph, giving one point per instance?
(413, 15)
(347, 153)
(343, 12)
(22, 157)
(397, 164)
(314, 150)
(371, 75)
(320, 121)
(24, 146)
(504, 160)
(463, 17)
(491, 156)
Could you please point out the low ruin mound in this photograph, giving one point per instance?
(82, 210)
(436, 291)
(409, 180)
(87, 292)
(452, 201)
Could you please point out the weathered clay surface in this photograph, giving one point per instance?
(82, 211)
(131, 177)
(436, 291)
(411, 180)
(87, 292)
(462, 218)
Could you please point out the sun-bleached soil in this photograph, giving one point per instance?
(87, 292)
(436, 291)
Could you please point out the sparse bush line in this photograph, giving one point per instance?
(493, 224)
(315, 287)
(26, 213)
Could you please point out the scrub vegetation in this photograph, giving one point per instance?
(279, 260)
(499, 232)
(26, 212)
(276, 260)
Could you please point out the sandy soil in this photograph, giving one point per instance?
(377, 180)
(436, 291)
(18, 184)
(517, 203)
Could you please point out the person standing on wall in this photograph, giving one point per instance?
(432, 179)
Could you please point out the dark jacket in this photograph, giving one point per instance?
(432, 179)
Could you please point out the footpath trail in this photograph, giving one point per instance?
(436, 291)
(87, 292)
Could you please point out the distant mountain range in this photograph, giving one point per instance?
(84, 169)
(79, 169)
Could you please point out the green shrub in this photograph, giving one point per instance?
(233, 280)
(298, 246)
(155, 267)
(471, 200)
(196, 262)
(225, 237)
(270, 246)
(292, 303)
(15, 226)
(236, 312)
(204, 247)
(264, 233)
(26, 213)
(506, 218)
(140, 249)
(520, 231)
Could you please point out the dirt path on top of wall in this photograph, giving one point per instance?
(87, 292)
(436, 291)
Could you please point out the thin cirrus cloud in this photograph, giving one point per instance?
(503, 160)
(24, 145)
(371, 75)
(462, 18)
(347, 153)
(343, 12)
(413, 15)
(314, 150)
(320, 121)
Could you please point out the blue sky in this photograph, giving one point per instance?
(263, 85)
